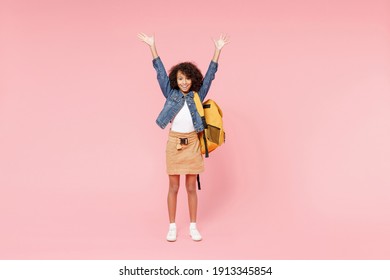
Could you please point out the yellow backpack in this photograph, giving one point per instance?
(213, 135)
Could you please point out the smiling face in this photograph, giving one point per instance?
(183, 82)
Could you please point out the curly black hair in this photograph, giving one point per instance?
(191, 71)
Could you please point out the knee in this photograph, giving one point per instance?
(191, 188)
(173, 188)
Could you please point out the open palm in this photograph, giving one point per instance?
(146, 39)
(221, 42)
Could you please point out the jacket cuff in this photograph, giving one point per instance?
(213, 65)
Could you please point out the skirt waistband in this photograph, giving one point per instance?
(191, 136)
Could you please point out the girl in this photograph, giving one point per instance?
(183, 156)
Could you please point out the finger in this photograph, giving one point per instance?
(142, 36)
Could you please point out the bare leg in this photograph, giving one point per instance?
(192, 196)
(174, 183)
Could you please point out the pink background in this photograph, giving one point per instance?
(305, 88)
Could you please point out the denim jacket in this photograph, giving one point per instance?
(175, 98)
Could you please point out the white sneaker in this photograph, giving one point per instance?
(195, 235)
(171, 236)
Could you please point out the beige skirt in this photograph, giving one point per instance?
(183, 156)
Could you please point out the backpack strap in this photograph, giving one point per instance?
(205, 146)
(199, 105)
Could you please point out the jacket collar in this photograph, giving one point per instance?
(190, 94)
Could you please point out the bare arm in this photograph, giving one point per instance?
(219, 44)
(162, 76)
(149, 40)
(213, 67)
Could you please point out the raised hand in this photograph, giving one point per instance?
(149, 40)
(221, 42)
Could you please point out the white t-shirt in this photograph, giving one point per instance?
(183, 121)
